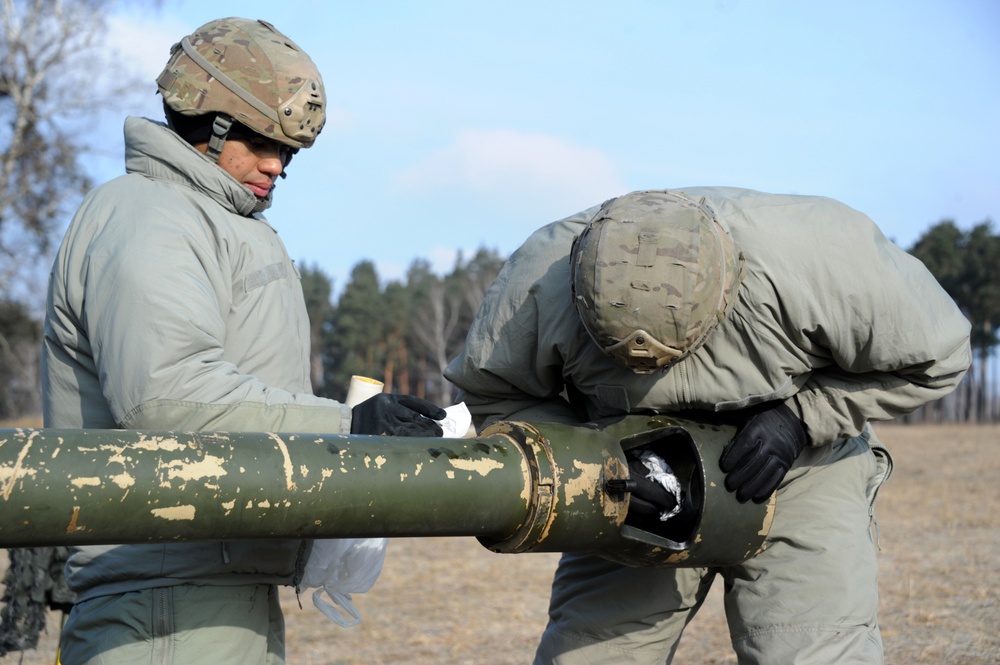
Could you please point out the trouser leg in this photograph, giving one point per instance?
(238, 625)
(601, 612)
(812, 595)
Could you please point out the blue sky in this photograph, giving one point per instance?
(456, 125)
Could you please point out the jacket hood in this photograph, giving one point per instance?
(154, 150)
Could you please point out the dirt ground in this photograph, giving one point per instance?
(450, 601)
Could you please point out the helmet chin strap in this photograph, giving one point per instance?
(220, 130)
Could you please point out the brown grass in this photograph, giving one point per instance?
(450, 601)
(26, 421)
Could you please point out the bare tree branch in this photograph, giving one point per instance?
(55, 76)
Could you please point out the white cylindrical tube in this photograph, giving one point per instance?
(361, 388)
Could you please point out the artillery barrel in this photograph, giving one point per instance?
(517, 487)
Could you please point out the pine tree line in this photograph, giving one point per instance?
(967, 265)
(405, 332)
(402, 333)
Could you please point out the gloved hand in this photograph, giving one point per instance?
(387, 414)
(649, 498)
(762, 451)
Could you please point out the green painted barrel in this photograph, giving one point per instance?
(517, 487)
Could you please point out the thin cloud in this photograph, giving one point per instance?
(441, 259)
(144, 43)
(507, 161)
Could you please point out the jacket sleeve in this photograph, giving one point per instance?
(512, 363)
(890, 339)
(157, 298)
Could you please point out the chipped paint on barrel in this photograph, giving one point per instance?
(519, 487)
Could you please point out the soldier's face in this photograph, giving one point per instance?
(255, 162)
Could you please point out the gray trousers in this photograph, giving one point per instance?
(214, 625)
(811, 597)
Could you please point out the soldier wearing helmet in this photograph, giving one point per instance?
(792, 318)
(241, 79)
(648, 293)
(173, 305)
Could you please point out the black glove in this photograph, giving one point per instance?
(762, 451)
(387, 414)
(649, 498)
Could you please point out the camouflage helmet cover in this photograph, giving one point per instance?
(653, 274)
(251, 72)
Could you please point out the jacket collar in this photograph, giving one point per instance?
(154, 150)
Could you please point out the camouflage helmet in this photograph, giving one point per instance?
(653, 274)
(251, 72)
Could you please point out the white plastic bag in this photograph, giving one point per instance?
(340, 567)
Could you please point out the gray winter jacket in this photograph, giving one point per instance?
(831, 317)
(172, 306)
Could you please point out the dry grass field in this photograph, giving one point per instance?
(450, 601)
